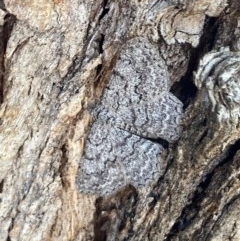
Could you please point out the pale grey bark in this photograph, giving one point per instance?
(56, 57)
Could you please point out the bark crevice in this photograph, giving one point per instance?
(5, 33)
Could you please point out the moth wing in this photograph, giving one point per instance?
(113, 158)
(160, 118)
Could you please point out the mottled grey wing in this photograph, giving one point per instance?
(151, 119)
(113, 158)
(99, 170)
(144, 164)
(140, 74)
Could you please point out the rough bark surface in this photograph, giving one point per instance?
(56, 57)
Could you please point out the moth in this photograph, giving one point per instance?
(135, 108)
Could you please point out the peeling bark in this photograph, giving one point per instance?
(56, 58)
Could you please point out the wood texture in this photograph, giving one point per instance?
(56, 59)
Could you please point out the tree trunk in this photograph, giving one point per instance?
(57, 57)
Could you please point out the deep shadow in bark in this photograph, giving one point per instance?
(5, 32)
(185, 89)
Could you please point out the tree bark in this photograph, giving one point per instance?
(56, 57)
